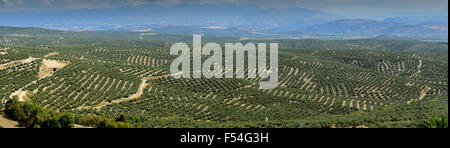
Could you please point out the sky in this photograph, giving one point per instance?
(339, 7)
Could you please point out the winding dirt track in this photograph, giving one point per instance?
(422, 96)
(137, 95)
(134, 96)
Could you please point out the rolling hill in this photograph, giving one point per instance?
(48, 38)
(317, 88)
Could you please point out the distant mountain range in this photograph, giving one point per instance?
(379, 29)
(14, 36)
(155, 16)
(234, 21)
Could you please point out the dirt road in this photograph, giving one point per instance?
(6, 123)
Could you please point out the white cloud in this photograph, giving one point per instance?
(215, 27)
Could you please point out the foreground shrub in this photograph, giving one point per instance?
(435, 122)
(33, 116)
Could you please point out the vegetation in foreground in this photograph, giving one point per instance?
(33, 116)
(436, 122)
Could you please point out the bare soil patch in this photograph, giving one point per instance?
(48, 67)
(22, 95)
(7, 123)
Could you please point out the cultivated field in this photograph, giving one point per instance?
(317, 88)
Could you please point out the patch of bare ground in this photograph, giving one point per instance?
(419, 67)
(48, 67)
(22, 95)
(80, 126)
(3, 51)
(7, 123)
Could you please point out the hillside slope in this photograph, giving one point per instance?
(313, 85)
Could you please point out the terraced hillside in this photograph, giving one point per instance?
(317, 88)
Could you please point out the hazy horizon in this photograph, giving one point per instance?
(344, 8)
(237, 18)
